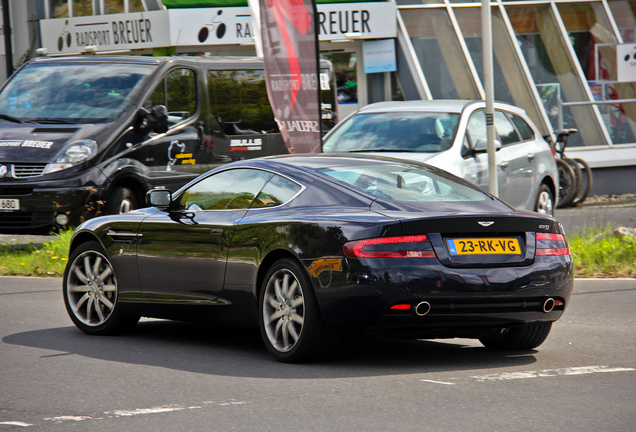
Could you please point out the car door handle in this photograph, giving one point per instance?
(216, 231)
(504, 164)
(530, 156)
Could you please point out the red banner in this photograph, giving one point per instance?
(290, 50)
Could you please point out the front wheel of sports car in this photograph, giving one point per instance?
(90, 292)
(524, 337)
(289, 316)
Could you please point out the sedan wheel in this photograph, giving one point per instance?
(524, 337)
(90, 292)
(290, 320)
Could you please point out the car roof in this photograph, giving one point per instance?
(437, 105)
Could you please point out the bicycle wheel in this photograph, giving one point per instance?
(586, 182)
(567, 183)
(578, 178)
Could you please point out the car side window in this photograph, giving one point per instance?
(475, 130)
(506, 131)
(178, 93)
(277, 191)
(523, 127)
(231, 189)
(239, 102)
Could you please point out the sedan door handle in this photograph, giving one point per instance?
(216, 231)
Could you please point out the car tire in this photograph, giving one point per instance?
(545, 201)
(523, 337)
(122, 200)
(289, 317)
(91, 293)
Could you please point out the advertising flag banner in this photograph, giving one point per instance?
(290, 52)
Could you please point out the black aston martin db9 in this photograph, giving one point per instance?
(312, 248)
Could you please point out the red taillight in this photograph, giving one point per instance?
(391, 247)
(559, 249)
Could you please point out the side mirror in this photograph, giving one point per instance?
(153, 120)
(160, 198)
(481, 145)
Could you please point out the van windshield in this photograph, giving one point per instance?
(71, 93)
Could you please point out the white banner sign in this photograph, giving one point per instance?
(108, 32)
(205, 26)
(626, 62)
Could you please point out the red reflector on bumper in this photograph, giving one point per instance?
(401, 306)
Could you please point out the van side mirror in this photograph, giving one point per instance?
(481, 145)
(153, 120)
(160, 198)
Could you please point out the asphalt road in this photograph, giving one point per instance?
(178, 377)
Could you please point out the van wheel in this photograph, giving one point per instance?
(122, 200)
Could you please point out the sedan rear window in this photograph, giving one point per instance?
(406, 183)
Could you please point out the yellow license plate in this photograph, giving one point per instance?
(484, 246)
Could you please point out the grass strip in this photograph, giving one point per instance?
(600, 257)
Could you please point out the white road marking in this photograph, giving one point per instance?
(550, 373)
(438, 382)
(545, 373)
(131, 413)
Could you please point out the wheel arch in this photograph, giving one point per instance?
(81, 238)
(269, 261)
(130, 181)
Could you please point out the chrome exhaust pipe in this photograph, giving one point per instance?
(423, 308)
(548, 305)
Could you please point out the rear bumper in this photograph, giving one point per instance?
(463, 301)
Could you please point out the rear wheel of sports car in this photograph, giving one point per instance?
(289, 316)
(524, 337)
(90, 292)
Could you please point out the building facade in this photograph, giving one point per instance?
(568, 63)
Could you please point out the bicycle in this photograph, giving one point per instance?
(575, 175)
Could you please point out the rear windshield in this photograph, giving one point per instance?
(73, 93)
(394, 131)
(402, 182)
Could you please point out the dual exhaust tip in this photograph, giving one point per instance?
(424, 307)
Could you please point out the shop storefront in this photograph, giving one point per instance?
(559, 60)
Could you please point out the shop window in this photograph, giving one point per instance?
(439, 52)
(59, 8)
(239, 102)
(588, 25)
(510, 82)
(555, 74)
(82, 8)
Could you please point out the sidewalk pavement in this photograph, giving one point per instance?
(595, 213)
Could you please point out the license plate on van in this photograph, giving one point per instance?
(10, 204)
